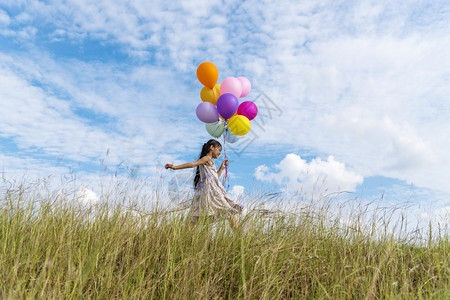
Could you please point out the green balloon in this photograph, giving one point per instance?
(215, 129)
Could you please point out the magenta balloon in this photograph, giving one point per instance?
(207, 112)
(248, 109)
(227, 105)
(246, 86)
(231, 85)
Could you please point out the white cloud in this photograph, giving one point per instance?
(44, 103)
(17, 167)
(237, 192)
(34, 119)
(4, 18)
(86, 197)
(373, 96)
(315, 178)
(23, 33)
(373, 109)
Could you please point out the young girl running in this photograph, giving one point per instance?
(210, 197)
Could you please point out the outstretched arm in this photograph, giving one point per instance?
(188, 165)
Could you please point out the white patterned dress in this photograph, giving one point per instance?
(210, 197)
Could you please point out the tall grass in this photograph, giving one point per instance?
(52, 248)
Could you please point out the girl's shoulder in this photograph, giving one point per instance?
(206, 161)
(209, 162)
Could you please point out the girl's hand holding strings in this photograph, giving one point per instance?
(224, 163)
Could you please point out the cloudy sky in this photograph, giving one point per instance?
(352, 95)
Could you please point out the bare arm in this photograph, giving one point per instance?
(219, 172)
(222, 166)
(188, 165)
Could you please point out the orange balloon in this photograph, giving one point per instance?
(207, 74)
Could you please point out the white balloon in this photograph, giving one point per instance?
(230, 137)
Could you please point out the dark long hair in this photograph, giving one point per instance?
(205, 150)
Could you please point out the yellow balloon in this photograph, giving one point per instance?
(239, 125)
(210, 95)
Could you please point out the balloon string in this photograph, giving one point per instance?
(225, 155)
(225, 151)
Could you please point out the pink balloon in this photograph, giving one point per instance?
(246, 86)
(231, 85)
(248, 109)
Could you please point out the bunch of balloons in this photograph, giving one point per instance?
(220, 109)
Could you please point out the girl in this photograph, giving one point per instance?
(210, 197)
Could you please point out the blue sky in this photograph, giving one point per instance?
(361, 89)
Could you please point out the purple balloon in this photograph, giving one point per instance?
(248, 109)
(207, 112)
(227, 105)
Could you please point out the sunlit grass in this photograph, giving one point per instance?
(50, 247)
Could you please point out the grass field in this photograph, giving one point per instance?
(52, 248)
